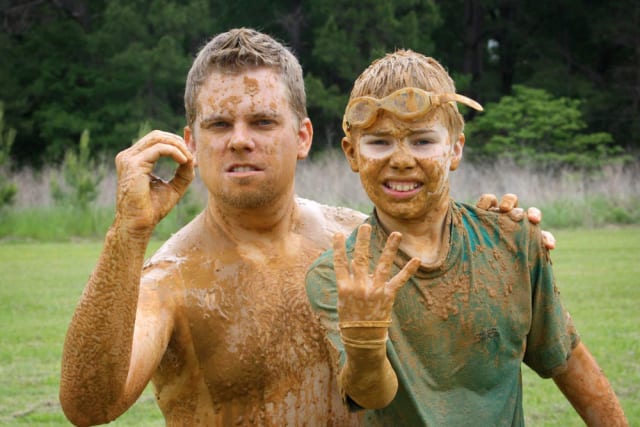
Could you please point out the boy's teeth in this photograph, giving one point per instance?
(402, 186)
(242, 169)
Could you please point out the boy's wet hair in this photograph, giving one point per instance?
(406, 68)
(242, 49)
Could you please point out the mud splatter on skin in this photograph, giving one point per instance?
(251, 86)
(247, 349)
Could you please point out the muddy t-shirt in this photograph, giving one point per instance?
(461, 330)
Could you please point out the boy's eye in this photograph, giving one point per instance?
(422, 142)
(381, 142)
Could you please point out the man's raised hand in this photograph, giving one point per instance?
(142, 198)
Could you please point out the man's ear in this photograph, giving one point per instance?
(456, 152)
(350, 152)
(190, 140)
(305, 137)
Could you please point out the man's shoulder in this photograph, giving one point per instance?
(179, 247)
(332, 218)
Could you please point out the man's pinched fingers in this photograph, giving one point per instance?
(182, 178)
(399, 280)
(487, 201)
(360, 262)
(160, 137)
(383, 269)
(508, 202)
(340, 262)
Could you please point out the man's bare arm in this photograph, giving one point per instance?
(588, 390)
(100, 379)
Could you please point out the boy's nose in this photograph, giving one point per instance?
(402, 158)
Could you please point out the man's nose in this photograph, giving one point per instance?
(241, 138)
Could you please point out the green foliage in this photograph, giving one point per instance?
(346, 40)
(8, 190)
(81, 177)
(70, 66)
(531, 126)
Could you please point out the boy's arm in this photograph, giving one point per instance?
(104, 365)
(365, 302)
(589, 392)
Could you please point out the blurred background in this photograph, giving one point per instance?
(559, 80)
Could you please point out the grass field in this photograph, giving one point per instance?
(598, 271)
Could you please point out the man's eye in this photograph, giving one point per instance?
(265, 122)
(217, 124)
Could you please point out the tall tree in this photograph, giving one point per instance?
(347, 36)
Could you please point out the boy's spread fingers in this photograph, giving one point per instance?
(403, 275)
(389, 252)
(361, 252)
(341, 266)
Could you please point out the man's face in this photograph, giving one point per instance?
(404, 164)
(246, 138)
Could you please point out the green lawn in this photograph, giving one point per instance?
(40, 283)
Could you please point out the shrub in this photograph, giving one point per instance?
(81, 176)
(533, 127)
(8, 190)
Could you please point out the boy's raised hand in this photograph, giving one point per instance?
(364, 296)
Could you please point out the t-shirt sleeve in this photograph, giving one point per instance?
(553, 336)
(323, 296)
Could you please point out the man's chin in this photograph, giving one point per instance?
(247, 200)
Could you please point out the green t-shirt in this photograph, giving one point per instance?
(461, 330)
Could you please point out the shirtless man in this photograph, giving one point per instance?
(218, 319)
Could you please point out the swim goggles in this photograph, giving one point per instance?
(406, 103)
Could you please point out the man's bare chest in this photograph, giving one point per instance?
(250, 329)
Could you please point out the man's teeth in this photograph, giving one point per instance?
(242, 169)
(402, 186)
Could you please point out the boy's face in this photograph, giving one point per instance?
(404, 164)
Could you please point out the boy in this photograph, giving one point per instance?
(446, 349)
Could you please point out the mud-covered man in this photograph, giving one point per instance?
(446, 348)
(218, 318)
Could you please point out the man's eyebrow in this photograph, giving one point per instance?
(265, 115)
(213, 118)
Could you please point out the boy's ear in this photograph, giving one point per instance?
(305, 137)
(350, 152)
(456, 157)
(190, 140)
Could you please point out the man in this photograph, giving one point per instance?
(218, 318)
(445, 349)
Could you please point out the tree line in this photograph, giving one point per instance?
(556, 76)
